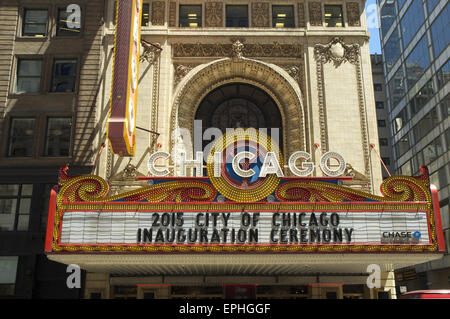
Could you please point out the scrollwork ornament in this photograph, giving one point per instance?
(149, 53)
(337, 52)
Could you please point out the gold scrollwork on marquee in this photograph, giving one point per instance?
(400, 192)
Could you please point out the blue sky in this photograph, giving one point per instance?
(372, 23)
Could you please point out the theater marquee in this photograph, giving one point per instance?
(190, 215)
(227, 212)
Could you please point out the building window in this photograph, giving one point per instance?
(402, 146)
(378, 87)
(387, 15)
(431, 4)
(411, 22)
(64, 75)
(21, 136)
(443, 74)
(432, 151)
(334, 16)
(422, 97)
(15, 203)
(35, 22)
(397, 87)
(8, 273)
(447, 137)
(386, 160)
(400, 120)
(439, 178)
(66, 27)
(445, 107)
(381, 123)
(237, 16)
(379, 105)
(406, 169)
(384, 142)
(392, 50)
(190, 16)
(57, 141)
(28, 76)
(425, 125)
(417, 62)
(439, 31)
(145, 15)
(283, 16)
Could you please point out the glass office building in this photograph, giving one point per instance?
(414, 39)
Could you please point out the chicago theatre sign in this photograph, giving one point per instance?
(246, 204)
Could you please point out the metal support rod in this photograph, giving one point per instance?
(154, 45)
(149, 131)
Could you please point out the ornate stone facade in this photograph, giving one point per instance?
(338, 52)
(214, 14)
(301, 15)
(260, 14)
(158, 12)
(172, 14)
(311, 77)
(353, 14)
(315, 13)
(274, 50)
(283, 90)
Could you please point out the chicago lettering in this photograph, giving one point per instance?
(269, 166)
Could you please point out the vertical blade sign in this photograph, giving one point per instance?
(122, 112)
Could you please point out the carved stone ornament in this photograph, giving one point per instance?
(214, 14)
(130, 172)
(357, 176)
(172, 14)
(315, 14)
(274, 50)
(260, 15)
(158, 12)
(301, 15)
(337, 51)
(237, 49)
(149, 52)
(295, 71)
(181, 71)
(353, 14)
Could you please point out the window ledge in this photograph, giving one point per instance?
(31, 38)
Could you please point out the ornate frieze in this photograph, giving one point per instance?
(260, 15)
(274, 50)
(301, 15)
(158, 12)
(172, 14)
(353, 14)
(337, 52)
(315, 13)
(214, 14)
